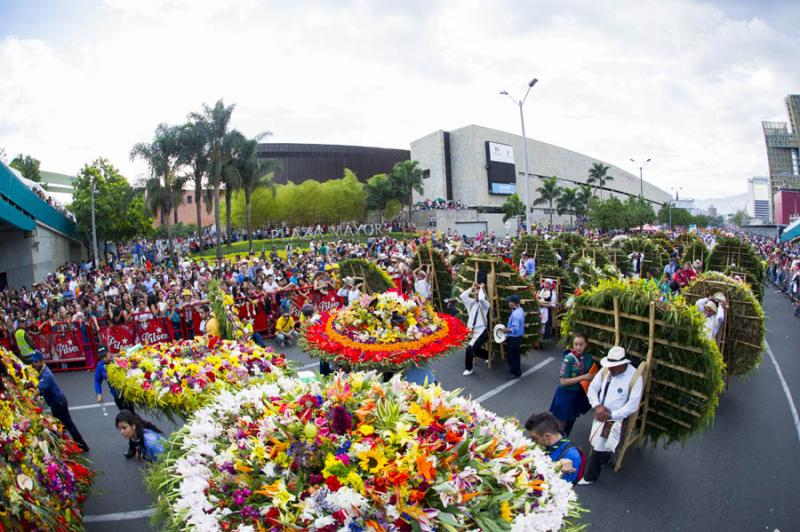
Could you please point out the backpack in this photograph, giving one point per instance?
(582, 468)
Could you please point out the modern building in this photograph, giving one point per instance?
(480, 167)
(187, 210)
(783, 148)
(786, 204)
(322, 162)
(35, 236)
(759, 199)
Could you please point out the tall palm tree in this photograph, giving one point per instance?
(233, 147)
(406, 176)
(215, 122)
(195, 153)
(548, 193)
(598, 173)
(253, 173)
(163, 155)
(177, 194)
(582, 198)
(513, 208)
(567, 200)
(379, 193)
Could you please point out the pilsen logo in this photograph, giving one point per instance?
(118, 344)
(65, 349)
(154, 334)
(326, 305)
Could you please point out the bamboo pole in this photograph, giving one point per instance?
(650, 347)
(616, 322)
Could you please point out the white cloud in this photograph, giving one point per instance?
(677, 81)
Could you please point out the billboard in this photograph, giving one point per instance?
(500, 168)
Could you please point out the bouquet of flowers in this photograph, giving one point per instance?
(385, 331)
(182, 376)
(354, 453)
(42, 482)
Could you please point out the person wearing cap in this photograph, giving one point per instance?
(55, 399)
(614, 394)
(547, 298)
(474, 300)
(349, 290)
(24, 342)
(515, 329)
(713, 310)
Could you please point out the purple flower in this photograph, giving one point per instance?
(341, 421)
(250, 512)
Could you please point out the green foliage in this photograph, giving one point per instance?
(567, 202)
(120, 212)
(548, 193)
(655, 258)
(663, 242)
(508, 282)
(536, 247)
(179, 230)
(606, 215)
(375, 279)
(597, 254)
(683, 218)
(638, 211)
(732, 255)
(743, 340)
(740, 218)
(442, 287)
(565, 244)
(27, 166)
(687, 376)
(379, 193)
(513, 207)
(598, 174)
(406, 177)
(696, 250)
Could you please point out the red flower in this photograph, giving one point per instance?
(333, 483)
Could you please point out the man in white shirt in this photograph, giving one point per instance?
(713, 309)
(349, 290)
(474, 300)
(422, 285)
(614, 393)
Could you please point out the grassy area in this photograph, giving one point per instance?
(240, 248)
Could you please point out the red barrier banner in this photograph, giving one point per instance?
(118, 337)
(64, 347)
(328, 302)
(154, 331)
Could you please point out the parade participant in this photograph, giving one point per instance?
(422, 284)
(672, 266)
(24, 342)
(55, 399)
(474, 300)
(515, 329)
(569, 401)
(713, 309)
(284, 329)
(547, 298)
(146, 440)
(614, 393)
(349, 290)
(543, 429)
(637, 259)
(527, 265)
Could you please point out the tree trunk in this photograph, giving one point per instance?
(217, 172)
(228, 194)
(169, 226)
(175, 214)
(198, 191)
(551, 214)
(248, 215)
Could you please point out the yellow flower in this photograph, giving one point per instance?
(373, 460)
(366, 430)
(355, 482)
(424, 418)
(505, 511)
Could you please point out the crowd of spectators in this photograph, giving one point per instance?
(440, 204)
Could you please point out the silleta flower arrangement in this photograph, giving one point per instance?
(42, 481)
(385, 331)
(180, 377)
(354, 453)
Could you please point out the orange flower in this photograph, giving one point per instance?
(425, 468)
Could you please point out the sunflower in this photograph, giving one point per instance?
(373, 460)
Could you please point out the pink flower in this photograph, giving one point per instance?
(175, 388)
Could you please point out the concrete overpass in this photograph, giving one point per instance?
(35, 238)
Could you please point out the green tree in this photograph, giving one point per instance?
(194, 152)
(582, 197)
(380, 192)
(406, 176)
(164, 156)
(27, 166)
(606, 214)
(215, 122)
(548, 193)
(638, 211)
(513, 208)
(598, 174)
(680, 217)
(120, 212)
(567, 202)
(740, 218)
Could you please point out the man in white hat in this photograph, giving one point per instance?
(614, 393)
(474, 300)
(713, 310)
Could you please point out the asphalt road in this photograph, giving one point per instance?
(739, 475)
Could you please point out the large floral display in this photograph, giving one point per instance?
(385, 331)
(180, 377)
(354, 453)
(42, 481)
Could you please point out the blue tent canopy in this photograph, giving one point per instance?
(791, 232)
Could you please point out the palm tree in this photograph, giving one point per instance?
(513, 208)
(163, 155)
(195, 153)
(233, 148)
(406, 176)
(548, 193)
(215, 121)
(567, 202)
(379, 193)
(253, 173)
(598, 173)
(582, 198)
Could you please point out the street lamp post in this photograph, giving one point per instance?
(94, 229)
(520, 103)
(676, 190)
(641, 175)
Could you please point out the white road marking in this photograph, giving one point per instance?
(495, 391)
(786, 391)
(308, 366)
(85, 407)
(121, 516)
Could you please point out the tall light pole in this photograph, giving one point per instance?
(641, 175)
(520, 103)
(676, 190)
(94, 228)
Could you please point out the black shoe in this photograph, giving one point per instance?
(129, 454)
(513, 377)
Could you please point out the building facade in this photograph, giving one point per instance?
(322, 162)
(786, 206)
(480, 167)
(783, 148)
(759, 205)
(187, 210)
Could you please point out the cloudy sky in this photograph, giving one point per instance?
(685, 83)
